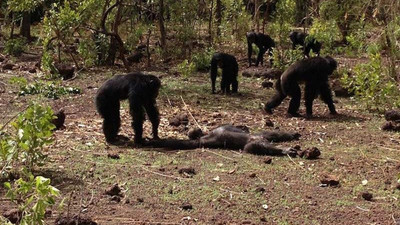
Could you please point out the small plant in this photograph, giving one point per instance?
(33, 131)
(372, 84)
(202, 59)
(186, 69)
(87, 50)
(50, 89)
(15, 46)
(33, 195)
(326, 32)
(287, 58)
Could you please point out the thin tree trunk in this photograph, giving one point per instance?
(257, 15)
(162, 28)
(25, 27)
(210, 23)
(218, 16)
(114, 44)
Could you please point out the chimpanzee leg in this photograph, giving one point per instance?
(294, 104)
(111, 123)
(235, 85)
(276, 99)
(227, 77)
(326, 96)
(224, 85)
(249, 51)
(310, 93)
(213, 78)
(260, 56)
(154, 117)
(138, 117)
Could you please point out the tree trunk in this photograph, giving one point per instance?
(114, 44)
(210, 23)
(218, 16)
(162, 28)
(25, 28)
(257, 15)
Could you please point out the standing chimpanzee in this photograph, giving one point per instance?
(314, 72)
(300, 38)
(230, 69)
(263, 42)
(141, 91)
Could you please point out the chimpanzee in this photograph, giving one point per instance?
(263, 42)
(300, 38)
(314, 72)
(233, 138)
(141, 90)
(230, 69)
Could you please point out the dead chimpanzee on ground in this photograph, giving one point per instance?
(314, 72)
(307, 44)
(141, 91)
(234, 138)
(263, 42)
(230, 70)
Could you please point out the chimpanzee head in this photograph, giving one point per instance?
(332, 63)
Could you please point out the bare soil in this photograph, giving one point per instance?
(227, 187)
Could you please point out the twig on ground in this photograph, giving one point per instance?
(13, 117)
(191, 115)
(225, 157)
(169, 102)
(160, 174)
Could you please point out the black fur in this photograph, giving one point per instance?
(314, 72)
(263, 42)
(141, 91)
(233, 138)
(300, 38)
(230, 69)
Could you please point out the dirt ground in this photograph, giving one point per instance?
(227, 187)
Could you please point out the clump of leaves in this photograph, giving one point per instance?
(202, 59)
(283, 61)
(24, 146)
(185, 68)
(49, 89)
(15, 46)
(372, 84)
(33, 195)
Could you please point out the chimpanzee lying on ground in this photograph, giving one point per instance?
(230, 70)
(233, 138)
(299, 38)
(141, 90)
(263, 42)
(314, 72)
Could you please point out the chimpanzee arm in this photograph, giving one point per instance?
(154, 116)
(249, 51)
(173, 144)
(265, 148)
(213, 72)
(326, 96)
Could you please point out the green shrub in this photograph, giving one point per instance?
(49, 89)
(33, 195)
(326, 32)
(32, 131)
(202, 59)
(287, 58)
(372, 84)
(185, 68)
(15, 46)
